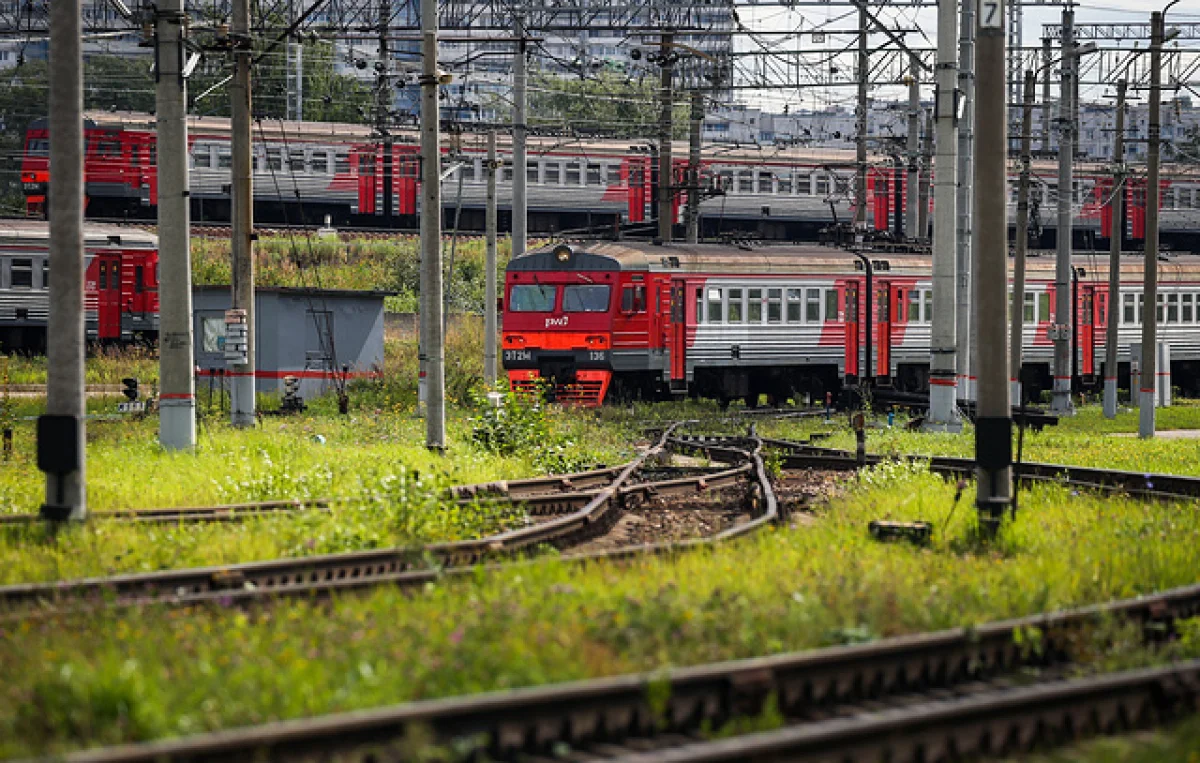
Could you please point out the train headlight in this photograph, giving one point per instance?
(562, 253)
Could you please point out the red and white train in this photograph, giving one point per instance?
(120, 284)
(729, 322)
(304, 171)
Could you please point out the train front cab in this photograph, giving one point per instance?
(557, 329)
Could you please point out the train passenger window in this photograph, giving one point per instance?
(224, 160)
(506, 173)
(794, 303)
(914, 307)
(633, 299)
(928, 317)
(699, 305)
(764, 182)
(785, 183)
(201, 157)
(1159, 308)
(822, 185)
(831, 305)
(754, 305)
(812, 305)
(745, 182)
(531, 173)
(296, 160)
(594, 175)
(341, 163)
(736, 311)
(139, 279)
(153, 154)
(102, 282)
(1043, 307)
(532, 298)
(552, 172)
(1186, 313)
(803, 184)
(713, 309)
(841, 184)
(774, 305)
(586, 298)
(114, 281)
(108, 148)
(1172, 308)
(45, 272)
(320, 162)
(1141, 307)
(38, 147)
(851, 304)
(1127, 308)
(21, 273)
(572, 177)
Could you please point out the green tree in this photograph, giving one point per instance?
(607, 103)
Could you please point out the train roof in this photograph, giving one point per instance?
(715, 154)
(782, 259)
(37, 233)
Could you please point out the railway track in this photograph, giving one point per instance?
(574, 509)
(233, 512)
(923, 697)
(1141, 484)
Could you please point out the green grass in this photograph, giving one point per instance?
(140, 675)
(388, 265)
(1178, 744)
(387, 487)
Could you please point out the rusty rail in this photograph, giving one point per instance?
(340, 572)
(1141, 484)
(612, 711)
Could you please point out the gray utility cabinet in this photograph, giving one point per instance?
(307, 333)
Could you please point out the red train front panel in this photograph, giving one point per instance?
(558, 321)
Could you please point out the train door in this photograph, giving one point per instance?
(851, 335)
(108, 297)
(883, 329)
(1087, 331)
(678, 348)
(366, 181)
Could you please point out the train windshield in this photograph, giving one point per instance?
(532, 298)
(592, 298)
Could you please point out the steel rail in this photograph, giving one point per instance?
(234, 512)
(1143, 484)
(325, 573)
(509, 724)
(998, 723)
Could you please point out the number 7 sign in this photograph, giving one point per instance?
(991, 14)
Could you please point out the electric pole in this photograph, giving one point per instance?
(383, 109)
(295, 72)
(432, 333)
(926, 170)
(1147, 397)
(1116, 232)
(860, 139)
(520, 218)
(1022, 243)
(61, 441)
(1060, 330)
(242, 386)
(913, 144)
(965, 240)
(1047, 60)
(943, 382)
(176, 400)
(489, 294)
(693, 173)
(993, 424)
(666, 96)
